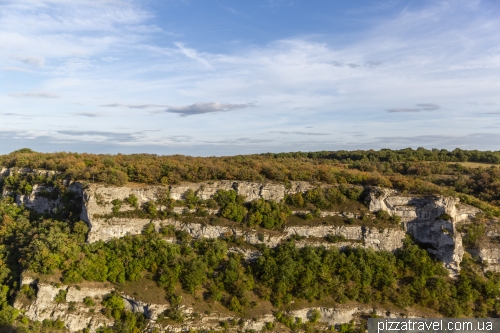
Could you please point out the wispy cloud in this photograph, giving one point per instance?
(201, 108)
(10, 114)
(100, 136)
(419, 108)
(369, 64)
(428, 107)
(107, 54)
(88, 114)
(34, 95)
(467, 141)
(30, 60)
(299, 133)
(133, 106)
(193, 54)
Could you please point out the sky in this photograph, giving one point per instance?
(221, 77)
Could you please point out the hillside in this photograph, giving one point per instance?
(277, 242)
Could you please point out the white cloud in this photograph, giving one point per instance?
(34, 95)
(193, 54)
(446, 53)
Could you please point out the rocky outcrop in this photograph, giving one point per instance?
(431, 220)
(78, 316)
(73, 312)
(487, 246)
(98, 198)
(150, 311)
(374, 238)
(42, 198)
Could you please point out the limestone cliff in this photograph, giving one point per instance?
(72, 311)
(78, 316)
(431, 220)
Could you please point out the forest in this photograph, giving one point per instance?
(409, 277)
(418, 171)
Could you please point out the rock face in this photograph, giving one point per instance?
(487, 247)
(97, 198)
(384, 239)
(431, 220)
(77, 316)
(73, 311)
(43, 199)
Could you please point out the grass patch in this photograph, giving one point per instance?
(144, 290)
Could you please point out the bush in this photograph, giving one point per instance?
(190, 197)
(61, 296)
(267, 214)
(296, 200)
(234, 212)
(150, 208)
(132, 200)
(231, 205)
(114, 304)
(88, 301)
(445, 217)
(117, 204)
(382, 215)
(474, 233)
(314, 316)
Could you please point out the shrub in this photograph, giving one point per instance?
(231, 205)
(88, 301)
(132, 200)
(61, 296)
(314, 316)
(382, 215)
(190, 197)
(445, 217)
(267, 214)
(117, 204)
(150, 208)
(296, 200)
(234, 212)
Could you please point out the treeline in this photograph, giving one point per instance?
(419, 171)
(316, 166)
(402, 155)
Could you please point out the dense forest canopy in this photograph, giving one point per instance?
(420, 171)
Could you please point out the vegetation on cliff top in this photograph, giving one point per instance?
(420, 171)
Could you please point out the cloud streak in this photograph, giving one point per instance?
(133, 106)
(30, 60)
(34, 95)
(419, 108)
(201, 108)
(88, 114)
(299, 133)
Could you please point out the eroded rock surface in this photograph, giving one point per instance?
(431, 220)
(76, 316)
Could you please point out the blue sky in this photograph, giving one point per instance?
(235, 77)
